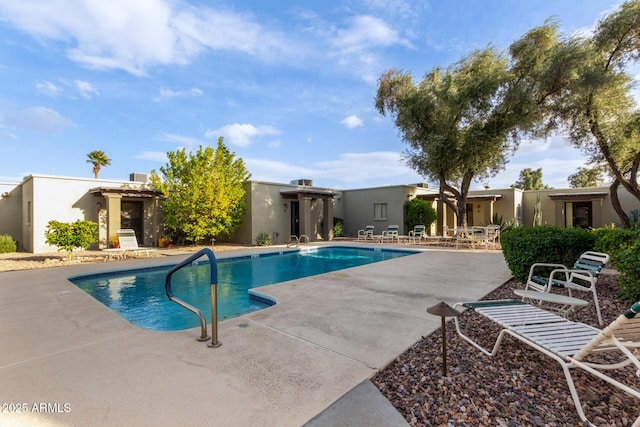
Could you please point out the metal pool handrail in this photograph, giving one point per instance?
(214, 295)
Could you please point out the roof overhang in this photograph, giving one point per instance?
(307, 192)
(578, 196)
(144, 193)
(484, 197)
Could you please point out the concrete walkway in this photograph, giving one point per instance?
(307, 359)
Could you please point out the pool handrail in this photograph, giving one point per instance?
(214, 297)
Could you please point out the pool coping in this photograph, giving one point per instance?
(282, 365)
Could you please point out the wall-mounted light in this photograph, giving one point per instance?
(285, 207)
(5, 194)
(99, 205)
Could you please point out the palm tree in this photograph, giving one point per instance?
(98, 159)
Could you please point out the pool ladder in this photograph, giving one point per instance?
(297, 241)
(214, 296)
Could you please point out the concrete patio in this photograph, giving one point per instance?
(307, 359)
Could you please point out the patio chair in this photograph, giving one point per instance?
(391, 234)
(582, 277)
(366, 233)
(418, 233)
(569, 343)
(129, 242)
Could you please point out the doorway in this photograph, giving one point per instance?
(295, 218)
(131, 216)
(582, 217)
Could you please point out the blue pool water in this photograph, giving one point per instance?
(139, 295)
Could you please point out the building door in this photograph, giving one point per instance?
(295, 218)
(582, 215)
(131, 216)
(469, 214)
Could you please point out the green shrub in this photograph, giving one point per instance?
(7, 244)
(629, 268)
(419, 212)
(524, 246)
(338, 227)
(263, 239)
(613, 240)
(68, 236)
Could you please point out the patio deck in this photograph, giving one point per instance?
(284, 365)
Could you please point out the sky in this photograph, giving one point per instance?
(290, 85)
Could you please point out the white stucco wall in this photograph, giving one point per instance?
(63, 199)
(11, 211)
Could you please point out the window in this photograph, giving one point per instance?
(379, 211)
(29, 212)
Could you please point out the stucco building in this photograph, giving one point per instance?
(281, 210)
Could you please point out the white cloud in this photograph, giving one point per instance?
(349, 170)
(152, 156)
(49, 89)
(38, 119)
(274, 144)
(136, 35)
(241, 134)
(352, 122)
(181, 139)
(86, 89)
(186, 141)
(165, 92)
(365, 31)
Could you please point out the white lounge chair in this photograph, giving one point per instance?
(129, 242)
(418, 233)
(582, 277)
(569, 343)
(391, 234)
(366, 233)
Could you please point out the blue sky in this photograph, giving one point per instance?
(289, 84)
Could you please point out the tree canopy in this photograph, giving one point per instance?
(596, 107)
(530, 180)
(586, 177)
(98, 159)
(204, 191)
(460, 123)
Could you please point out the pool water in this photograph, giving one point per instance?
(139, 295)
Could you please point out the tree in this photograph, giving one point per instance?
(586, 177)
(204, 192)
(68, 236)
(596, 107)
(98, 159)
(460, 122)
(530, 180)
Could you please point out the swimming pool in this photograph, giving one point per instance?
(139, 295)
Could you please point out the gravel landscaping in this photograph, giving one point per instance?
(518, 387)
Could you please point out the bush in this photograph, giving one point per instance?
(524, 246)
(629, 268)
(419, 212)
(613, 240)
(263, 239)
(7, 244)
(68, 236)
(338, 227)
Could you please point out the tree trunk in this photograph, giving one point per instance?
(615, 201)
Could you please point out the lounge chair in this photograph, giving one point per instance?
(569, 343)
(366, 233)
(391, 234)
(129, 242)
(418, 233)
(582, 277)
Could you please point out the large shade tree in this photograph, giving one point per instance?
(204, 192)
(460, 123)
(596, 108)
(98, 159)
